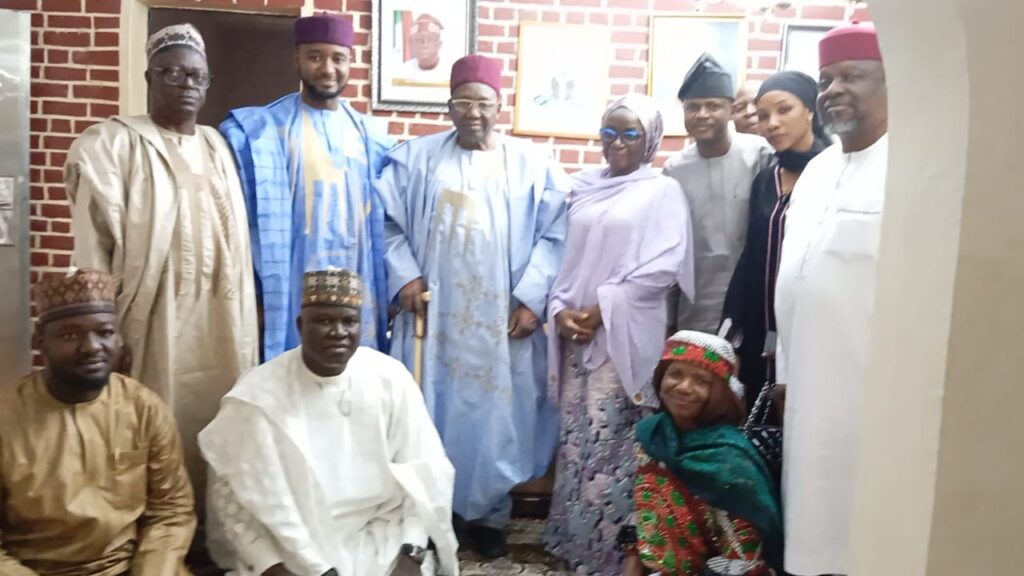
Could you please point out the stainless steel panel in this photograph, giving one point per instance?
(15, 77)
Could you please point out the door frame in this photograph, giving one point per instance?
(134, 32)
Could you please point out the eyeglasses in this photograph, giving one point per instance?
(465, 105)
(609, 135)
(175, 76)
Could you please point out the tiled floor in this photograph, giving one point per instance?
(526, 555)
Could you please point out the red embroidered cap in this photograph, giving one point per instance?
(853, 41)
(704, 350)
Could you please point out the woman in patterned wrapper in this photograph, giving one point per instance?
(705, 501)
(628, 244)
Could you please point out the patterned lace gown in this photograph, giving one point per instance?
(596, 468)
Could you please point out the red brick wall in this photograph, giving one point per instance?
(75, 75)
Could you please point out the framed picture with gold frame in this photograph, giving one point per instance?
(415, 43)
(675, 44)
(562, 87)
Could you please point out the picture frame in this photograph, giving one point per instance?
(415, 43)
(800, 47)
(562, 87)
(676, 41)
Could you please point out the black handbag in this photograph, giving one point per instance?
(765, 437)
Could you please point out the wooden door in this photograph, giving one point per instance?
(250, 57)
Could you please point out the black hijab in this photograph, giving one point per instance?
(806, 89)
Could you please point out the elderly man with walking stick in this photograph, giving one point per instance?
(478, 220)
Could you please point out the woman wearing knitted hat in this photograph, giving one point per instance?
(705, 503)
(786, 116)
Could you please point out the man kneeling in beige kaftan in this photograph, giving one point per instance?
(157, 203)
(325, 461)
(92, 481)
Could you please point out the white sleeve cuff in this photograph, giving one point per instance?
(259, 554)
(413, 532)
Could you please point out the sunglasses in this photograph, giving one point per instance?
(609, 135)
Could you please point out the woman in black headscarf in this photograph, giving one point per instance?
(787, 118)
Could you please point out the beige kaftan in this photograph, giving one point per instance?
(91, 489)
(165, 215)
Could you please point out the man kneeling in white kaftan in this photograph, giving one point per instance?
(325, 461)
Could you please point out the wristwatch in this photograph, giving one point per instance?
(416, 553)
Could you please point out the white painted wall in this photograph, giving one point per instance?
(942, 451)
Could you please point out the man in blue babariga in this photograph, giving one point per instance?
(307, 164)
(478, 220)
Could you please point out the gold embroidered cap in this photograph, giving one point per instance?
(332, 288)
(79, 292)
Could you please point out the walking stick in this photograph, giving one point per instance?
(420, 334)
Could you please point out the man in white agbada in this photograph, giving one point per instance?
(716, 173)
(157, 204)
(325, 459)
(825, 300)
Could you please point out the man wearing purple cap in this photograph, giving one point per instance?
(825, 299)
(307, 163)
(478, 219)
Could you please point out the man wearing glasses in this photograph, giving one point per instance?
(157, 204)
(478, 220)
(307, 163)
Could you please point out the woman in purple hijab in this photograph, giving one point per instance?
(629, 242)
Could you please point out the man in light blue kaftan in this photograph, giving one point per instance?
(307, 164)
(479, 220)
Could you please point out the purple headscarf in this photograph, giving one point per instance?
(629, 241)
(646, 109)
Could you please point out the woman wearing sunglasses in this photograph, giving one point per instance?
(629, 242)
(785, 108)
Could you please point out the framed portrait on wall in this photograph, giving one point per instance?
(561, 87)
(675, 44)
(415, 43)
(800, 47)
